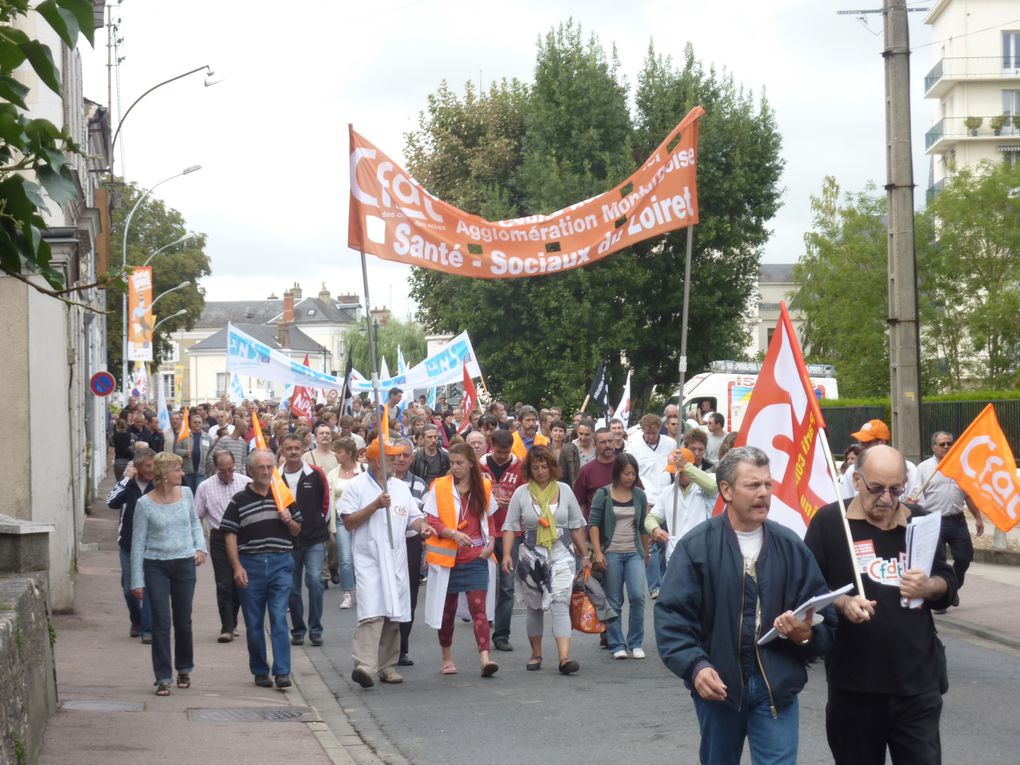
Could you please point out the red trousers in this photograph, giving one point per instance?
(480, 622)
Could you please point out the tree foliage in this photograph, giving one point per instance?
(153, 226)
(407, 336)
(842, 288)
(971, 277)
(34, 153)
(522, 149)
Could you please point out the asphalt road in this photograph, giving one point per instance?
(611, 711)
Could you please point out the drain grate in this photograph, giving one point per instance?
(255, 714)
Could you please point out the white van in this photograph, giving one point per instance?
(728, 385)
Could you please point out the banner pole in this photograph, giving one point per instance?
(375, 390)
(842, 513)
(585, 404)
(683, 327)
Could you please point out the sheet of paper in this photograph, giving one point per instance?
(818, 602)
(922, 541)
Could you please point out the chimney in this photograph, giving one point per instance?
(380, 315)
(296, 291)
(348, 298)
(324, 295)
(283, 328)
(288, 307)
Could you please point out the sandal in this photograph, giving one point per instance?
(163, 689)
(448, 668)
(183, 680)
(568, 666)
(534, 664)
(489, 669)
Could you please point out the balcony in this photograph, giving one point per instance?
(948, 71)
(935, 189)
(949, 131)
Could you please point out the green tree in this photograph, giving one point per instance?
(568, 136)
(34, 153)
(971, 277)
(842, 288)
(408, 336)
(153, 226)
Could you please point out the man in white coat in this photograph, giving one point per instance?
(380, 558)
(684, 504)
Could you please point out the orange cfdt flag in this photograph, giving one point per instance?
(185, 430)
(982, 463)
(384, 425)
(282, 495)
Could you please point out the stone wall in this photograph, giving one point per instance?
(27, 679)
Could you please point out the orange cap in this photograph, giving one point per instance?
(873, 430)
(372, 452)
(687, 454)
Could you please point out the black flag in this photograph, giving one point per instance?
(599, 390)
(345, 392)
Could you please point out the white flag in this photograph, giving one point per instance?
(161, 410)
(236, 392)
(384, 370)
(623, 410)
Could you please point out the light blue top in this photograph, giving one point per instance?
(164, 532)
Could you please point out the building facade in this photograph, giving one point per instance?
(976, 81)
(775, 284)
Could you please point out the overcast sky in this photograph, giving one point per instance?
(272, 135)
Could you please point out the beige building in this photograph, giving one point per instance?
(53, 435)
(775, 283)
(976, 80)
(196, 372)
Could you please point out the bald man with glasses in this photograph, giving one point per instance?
(941, 494)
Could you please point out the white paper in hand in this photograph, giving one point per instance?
(818, 602)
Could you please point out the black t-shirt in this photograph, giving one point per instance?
(497, 470)
(895, 651)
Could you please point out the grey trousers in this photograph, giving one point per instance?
(376, 644)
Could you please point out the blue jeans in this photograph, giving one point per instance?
(629, 569)
(269, 580)
(656, 565)
(504, 591)
(345, 556)
(140, 613)
(773, 741)
(171, 588)
(307, 560)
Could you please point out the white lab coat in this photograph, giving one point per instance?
(439, 576)
(382, 585)
(691, 511)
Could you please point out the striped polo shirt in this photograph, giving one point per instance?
(255, 521)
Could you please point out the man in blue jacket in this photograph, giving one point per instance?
(730, 580)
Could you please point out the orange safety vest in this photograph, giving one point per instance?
(439, 551)
(520, 449)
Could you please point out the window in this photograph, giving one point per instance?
(1011, 52)
(169, 387)
(1011, 108)
(222, 378)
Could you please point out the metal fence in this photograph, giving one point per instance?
(951, 416)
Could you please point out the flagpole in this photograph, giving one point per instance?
(842, 512)
(683, 327)
(585, 404)
(375, 390)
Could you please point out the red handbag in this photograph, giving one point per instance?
(582, 610)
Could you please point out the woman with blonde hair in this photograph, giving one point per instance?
(348, 468)
(166, 545)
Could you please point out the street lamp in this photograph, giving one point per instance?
(180, 239)
(171, 316)
(123, 266)
(180, 286)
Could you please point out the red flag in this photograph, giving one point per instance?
(470, 400)
(301, 400)
(783, 419)
(981, 462)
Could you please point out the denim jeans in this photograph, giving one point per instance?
(140, 613)
(345, 557)
(625, 569)
(504, 591)
(171, 588)
(269, 582)
(656, 565)
(773, 741)
(192, 480)
(308, 562)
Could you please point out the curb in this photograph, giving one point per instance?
(314, 693)
(979, 631)
(996, 556)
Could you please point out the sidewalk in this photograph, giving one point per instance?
(109, 713)
(988, 604)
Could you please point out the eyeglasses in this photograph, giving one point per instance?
(895, 492)
(945, 444)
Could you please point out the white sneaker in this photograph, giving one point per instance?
(637, 653)
(621, 654)
(347, 602)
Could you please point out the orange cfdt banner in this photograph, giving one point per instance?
(393, 217)
(140, 314)
(982, 463)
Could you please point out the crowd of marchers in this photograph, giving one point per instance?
(518, 505)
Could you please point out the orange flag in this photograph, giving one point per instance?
(282, 495)
(185, 429)
(384, 426)
(982, 463)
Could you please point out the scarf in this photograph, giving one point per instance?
(547, 534)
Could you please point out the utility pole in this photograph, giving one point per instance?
(904, 330)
